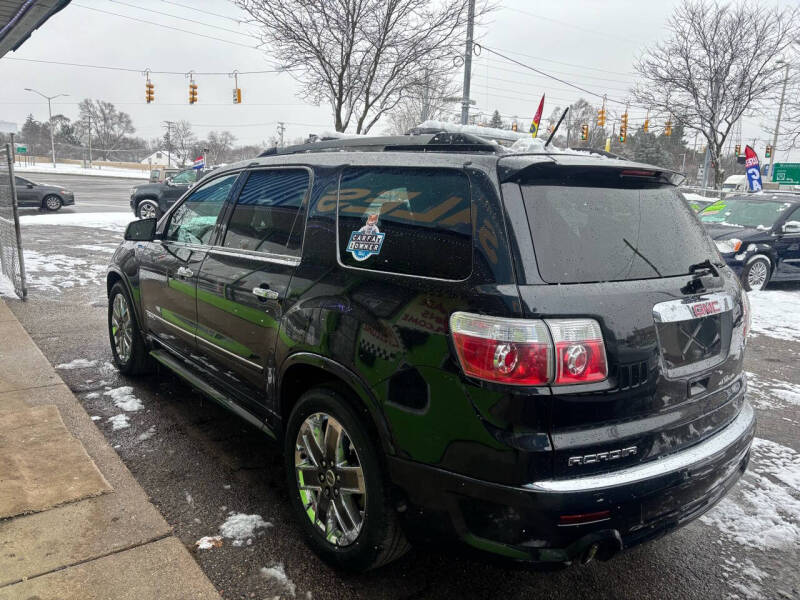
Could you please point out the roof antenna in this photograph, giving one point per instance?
(552, 133)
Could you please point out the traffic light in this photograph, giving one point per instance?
(601, 117)
(668, 128)
(584, 132)
(623, 128)
(514, 126)
(737, 150)
(768, 151)
(237, 95)
(192, 93)
(646, 126)
(149, 92)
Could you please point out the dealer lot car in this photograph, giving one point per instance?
(38, 195)
(154, 199)
(758, 236)
(539, 355)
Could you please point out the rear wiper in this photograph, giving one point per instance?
(703, 268)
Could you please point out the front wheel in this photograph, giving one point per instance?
(147, 209)
(338, 488)
(52, 203)
(127, 346)
(756, 273)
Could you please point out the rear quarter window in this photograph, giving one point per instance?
(410, 221)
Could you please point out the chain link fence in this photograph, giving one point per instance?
(12, 262)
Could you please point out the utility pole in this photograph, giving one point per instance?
(467, 63)
(50, 115)
(281, 130)
(90, 141)
(778, 122)
(169, 125)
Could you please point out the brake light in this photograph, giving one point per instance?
(529, 351)
(746, 315)
(580, 351)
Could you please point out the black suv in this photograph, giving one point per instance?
(539, 355)
(151, 200)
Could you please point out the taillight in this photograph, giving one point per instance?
(746, 315)
(529, 351)
(580, 351)
(515, 351)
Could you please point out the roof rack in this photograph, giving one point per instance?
(441, 141)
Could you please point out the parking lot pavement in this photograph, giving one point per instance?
(202, 467)
(92, 194)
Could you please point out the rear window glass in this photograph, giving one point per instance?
(744, 213)
(414, 221)
(586, 234)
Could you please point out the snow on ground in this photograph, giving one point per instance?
(68, 169)
(112, 221)
(209, 541)
(78, 363)
(123, 398)
(277, 574)
(763, 513)
(6, 287)
(766, 393)
(98, 248)
(119, 421)
(55, 272)
(241, 528)
(147, 434)
(776, 314)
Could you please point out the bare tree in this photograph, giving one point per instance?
(360, 55)
(720, 63)
(219, 144)
(423, 102)
(109, 125)
(182, 141)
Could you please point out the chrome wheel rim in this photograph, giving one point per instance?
(757, 275)
(147, 210)
(330, 479)
(52, 202)
(121, 328)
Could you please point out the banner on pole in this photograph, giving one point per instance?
(753, 169)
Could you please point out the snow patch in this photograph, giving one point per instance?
(776, 314)
(6, 287)
(116, 221)
(96, 418)
(70, 169)
(123, 398)
(766, 393)
(241, 527)
(119, 422)
(78, 363)
(189, 498)
(147, 434)
(207, 542)
(57, 271)
(277, 574)
(97, 248)
(92, 395)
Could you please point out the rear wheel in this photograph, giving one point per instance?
(127, 346)
(756, 273)
(52, 202)
(339, 490)
(147, 209)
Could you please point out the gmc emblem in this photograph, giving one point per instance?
(590, 459)
(704, 309)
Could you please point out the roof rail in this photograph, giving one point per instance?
(441, 141)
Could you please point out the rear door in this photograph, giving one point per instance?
(620, 249)
(169, 266)
(26, 193)
(787, 248)
(243, 281)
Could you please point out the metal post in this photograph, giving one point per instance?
(467, 63)
(778, 123)
(90, 141)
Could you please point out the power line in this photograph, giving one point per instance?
(559, 62)
(206, 12)
(565, 24)
(129, 70)
(495, 61)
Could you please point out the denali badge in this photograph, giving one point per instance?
(589, 459)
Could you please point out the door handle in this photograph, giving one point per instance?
(265, 293)
(184, 272)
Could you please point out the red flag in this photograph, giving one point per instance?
(537, 118)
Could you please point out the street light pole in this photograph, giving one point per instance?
(50, 120)
(778, 122)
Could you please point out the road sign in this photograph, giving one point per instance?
(786, 173)
(21, 148)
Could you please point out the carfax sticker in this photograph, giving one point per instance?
(366, 241)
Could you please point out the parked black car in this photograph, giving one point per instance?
(150, 200)
(50, 197)
(758, 235)
(538, 355)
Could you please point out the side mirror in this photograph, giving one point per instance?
(169, 182)
(29, 186)
(791, 227)
(143, 230)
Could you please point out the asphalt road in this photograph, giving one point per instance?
(92, 194)
(198, 463)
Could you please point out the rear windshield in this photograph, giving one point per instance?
(586, 234)
(744, 213)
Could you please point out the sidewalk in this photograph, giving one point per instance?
(74, 524)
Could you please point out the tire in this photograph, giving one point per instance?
(756, 274)
(147, 209)
(379, 539)
(129, 352)
(52, 203)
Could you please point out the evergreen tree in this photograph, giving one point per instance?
(497, 120)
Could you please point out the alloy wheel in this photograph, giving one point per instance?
(52, 202)
(147, 210)
(330, 479)
(757, 275)
(122, 328)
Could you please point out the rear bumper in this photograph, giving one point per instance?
(523, 523)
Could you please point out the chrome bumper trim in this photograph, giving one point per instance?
(654, 468)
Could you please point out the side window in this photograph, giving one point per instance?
(19, 181)
(268, 216)
(414, 221)
(194, 220)
(185, 177)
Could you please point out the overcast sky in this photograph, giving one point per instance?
(592, 43)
